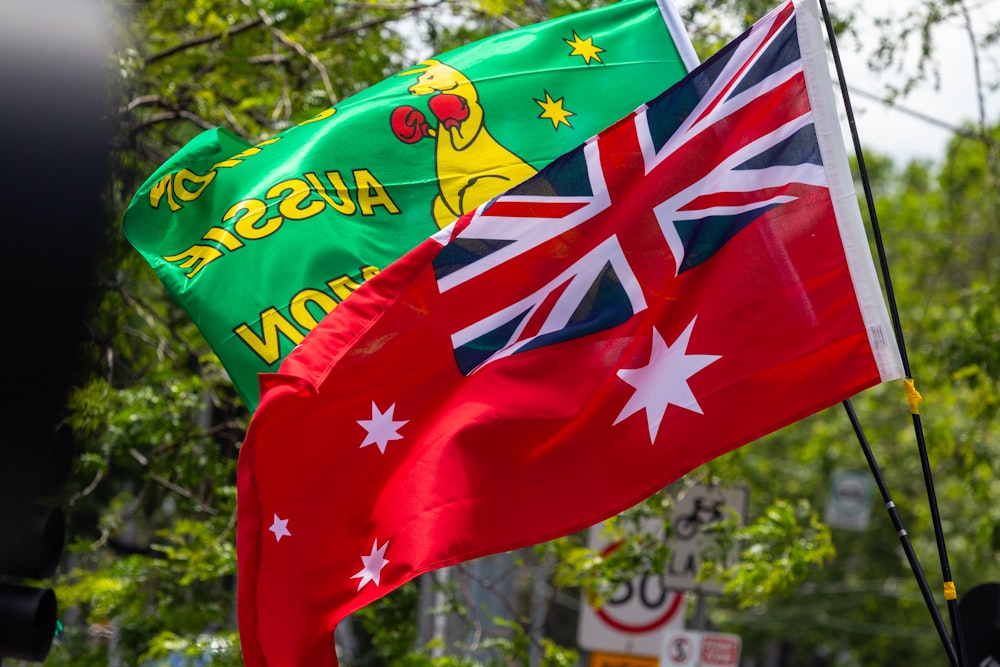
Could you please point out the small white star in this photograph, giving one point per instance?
(373, 564)
(381, 427)
(279, 528)
(663, 381)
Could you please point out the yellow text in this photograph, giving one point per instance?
(304, 311)
(293, 199)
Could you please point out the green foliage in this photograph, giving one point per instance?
(385, 630)
(516, 648)
(639, 550)
(782, 546)
(219, 650)
(150, 576)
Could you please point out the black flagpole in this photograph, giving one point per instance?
(904, 538)
(912, 395)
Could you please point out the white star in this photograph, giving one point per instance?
(663, 381)
(374, 562)
(279, 528)
(381, 427)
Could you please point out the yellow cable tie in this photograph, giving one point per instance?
(949, 591)
(913, 396)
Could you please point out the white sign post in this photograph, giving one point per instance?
(633, 620)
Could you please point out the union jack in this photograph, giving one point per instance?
(732, 141)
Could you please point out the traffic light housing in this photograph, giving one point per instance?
(55, 130)
(32, 539)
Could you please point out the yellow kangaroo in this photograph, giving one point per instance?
(472, 166)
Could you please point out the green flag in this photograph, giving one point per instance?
(258, 243)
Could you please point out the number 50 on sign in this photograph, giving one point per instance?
(633, 619)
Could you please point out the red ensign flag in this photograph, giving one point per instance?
(689, 280)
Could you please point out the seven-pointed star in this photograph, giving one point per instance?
(585, 48)
(381, 427)
(554, 111)
(663, 381)
(279, 528)
(374, 562)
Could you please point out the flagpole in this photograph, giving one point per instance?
(904, 538)
(912, 395)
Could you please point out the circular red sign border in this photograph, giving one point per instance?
(655, 623)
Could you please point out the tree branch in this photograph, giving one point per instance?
(364, 25)
(166, 483)
(171, 115)
(203, 39)
(311, 57)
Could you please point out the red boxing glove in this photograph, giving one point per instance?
(409, 124)
(450, 110)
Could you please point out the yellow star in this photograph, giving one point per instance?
(585, 48)
(554, 111)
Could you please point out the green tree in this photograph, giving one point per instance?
(151, 573)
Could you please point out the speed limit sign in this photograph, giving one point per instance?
(633, 619)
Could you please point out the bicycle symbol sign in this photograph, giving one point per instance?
(698, 508)
(705, 511)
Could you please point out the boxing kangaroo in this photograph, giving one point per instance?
(472, 166)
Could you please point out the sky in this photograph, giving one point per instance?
(900, 134)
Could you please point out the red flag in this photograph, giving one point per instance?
(689, 280)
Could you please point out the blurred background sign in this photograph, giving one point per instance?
(849, 503)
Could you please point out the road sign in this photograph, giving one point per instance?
(701, 506)
(615, 660)
(633, 619)
(850, 500)
(690, 648)
(680, 649)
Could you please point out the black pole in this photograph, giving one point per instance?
(950, 594)
(904, 538)
(913, 396)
